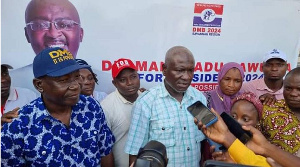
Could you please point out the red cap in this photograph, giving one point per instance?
(121, 64)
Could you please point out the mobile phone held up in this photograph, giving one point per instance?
(202, 113)
(236, 129)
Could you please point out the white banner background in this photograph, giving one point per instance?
(144, 30)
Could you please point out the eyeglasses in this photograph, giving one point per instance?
(42, 25)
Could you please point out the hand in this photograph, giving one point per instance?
(218, 132)
(7, 117)
(272, 162)
(222, 156)
(267, 99)
(258, 142)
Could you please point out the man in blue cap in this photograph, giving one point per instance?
(62, 127)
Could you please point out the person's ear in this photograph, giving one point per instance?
(38, 84)
(164, 69)
(26, 35)
(114, 82)
(81, 34)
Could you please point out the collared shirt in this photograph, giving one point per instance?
(159, 116)
(117, 111)
(259, 87)
(18, 97)
(36, 138)
(281, 126)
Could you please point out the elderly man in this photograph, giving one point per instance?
(62, 127)
(281, 121)
(161, 113)
(269, 88)
(12, 98)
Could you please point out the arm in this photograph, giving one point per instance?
(260, 145)
(9, 147)
(106, 144)
(132, 159)
(243, 155)
(139, 127)
(219, 133)
(108, 160)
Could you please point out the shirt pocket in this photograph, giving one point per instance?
(163, 131)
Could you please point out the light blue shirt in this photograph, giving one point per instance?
(159, 116)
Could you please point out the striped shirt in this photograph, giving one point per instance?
(159, 116)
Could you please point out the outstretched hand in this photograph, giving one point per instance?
(218, 132)
(258, 142)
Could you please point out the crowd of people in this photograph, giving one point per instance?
(65, 122)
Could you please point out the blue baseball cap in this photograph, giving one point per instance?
(55, 62)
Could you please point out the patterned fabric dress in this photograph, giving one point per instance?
(281, 127)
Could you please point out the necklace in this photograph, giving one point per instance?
(221, 98)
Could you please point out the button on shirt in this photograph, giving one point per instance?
(159, 116)
(259, 87)
(35, 138)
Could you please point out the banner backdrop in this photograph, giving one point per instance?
(216, 31)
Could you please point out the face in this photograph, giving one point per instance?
(274, 69)
(127, 82)
(60, 91)
(53, 11)
(245, 113)
(88, 82)
(5, 82)
(231, 83)
(179, 72)
(291, 91)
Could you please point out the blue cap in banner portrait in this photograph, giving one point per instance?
(55, 62)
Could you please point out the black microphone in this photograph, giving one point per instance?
(154, 154)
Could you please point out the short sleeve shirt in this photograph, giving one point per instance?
(18, 97)
(159, 116)
(35, 138)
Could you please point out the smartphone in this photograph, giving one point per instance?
(218, 147)
(236, 129)
(202, 113)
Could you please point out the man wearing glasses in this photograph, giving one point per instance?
(53, 23)
(49, 24)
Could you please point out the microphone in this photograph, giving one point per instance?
(154, 154)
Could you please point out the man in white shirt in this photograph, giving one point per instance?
(12, 98)
(118, 104)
